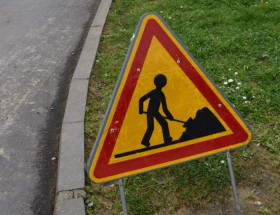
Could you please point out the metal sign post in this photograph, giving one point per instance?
(233, 183)
(122, 196)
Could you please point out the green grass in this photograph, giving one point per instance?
(237, 40)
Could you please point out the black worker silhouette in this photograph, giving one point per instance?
(205, 122)
(156, 97)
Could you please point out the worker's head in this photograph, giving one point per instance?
(160, 81)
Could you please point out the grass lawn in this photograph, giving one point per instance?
(238, 40)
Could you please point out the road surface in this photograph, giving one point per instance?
(39, 48)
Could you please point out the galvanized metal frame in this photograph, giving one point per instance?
(231, 173)
(237, 205)
(122, 196)
(112, 100)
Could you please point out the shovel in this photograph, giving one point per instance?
(176, 120)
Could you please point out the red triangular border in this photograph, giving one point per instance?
(103, 169)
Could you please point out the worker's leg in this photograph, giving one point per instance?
(164, 126)
(149, 131)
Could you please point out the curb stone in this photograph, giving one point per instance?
(70, 185)
(74, 206)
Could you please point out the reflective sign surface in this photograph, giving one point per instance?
(165, 110)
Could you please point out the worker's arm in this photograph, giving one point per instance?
(141, 101)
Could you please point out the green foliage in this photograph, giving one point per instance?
(238, 44)
(264, 211)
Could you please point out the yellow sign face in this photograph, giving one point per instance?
(165, 110)
(182, 98)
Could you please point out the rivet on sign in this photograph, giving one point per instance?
(138, 70)
(112, 130)
(178, 61)
(219, 105)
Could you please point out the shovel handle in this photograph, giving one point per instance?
(176, 120)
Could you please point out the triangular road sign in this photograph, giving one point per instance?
(165, 110)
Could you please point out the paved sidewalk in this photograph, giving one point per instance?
(70, 189)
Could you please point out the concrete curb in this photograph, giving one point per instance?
(70, 185)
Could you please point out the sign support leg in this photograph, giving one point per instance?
(122, 196)
(233, 183)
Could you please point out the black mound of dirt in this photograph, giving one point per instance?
(205, 123)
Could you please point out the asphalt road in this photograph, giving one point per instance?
(40, 42)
